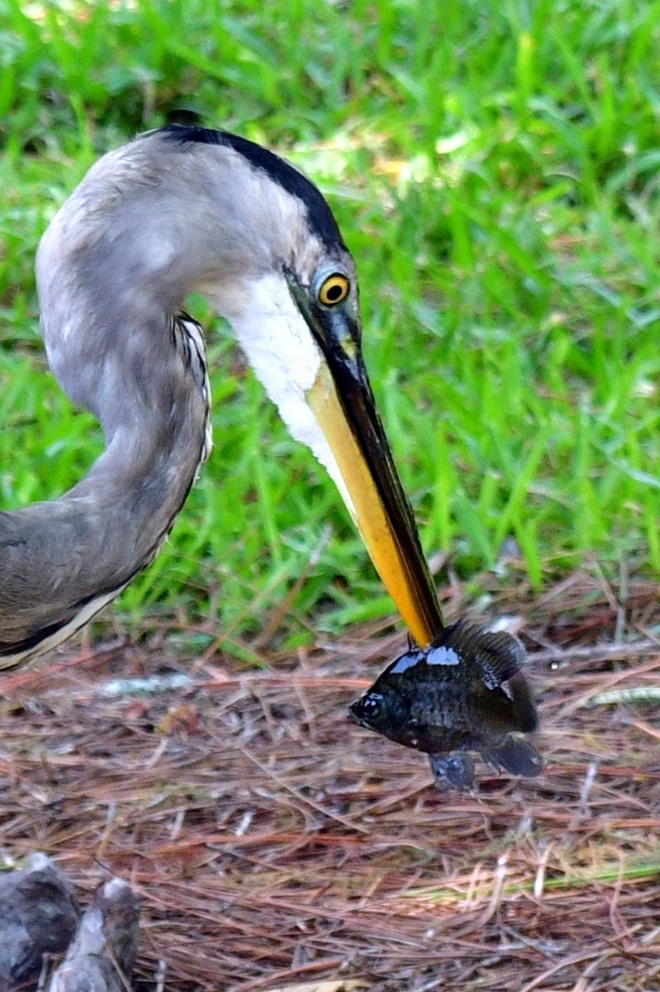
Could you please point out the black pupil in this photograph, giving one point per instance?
(334, 293)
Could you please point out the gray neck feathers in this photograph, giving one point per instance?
(150, 223)
(62, 561)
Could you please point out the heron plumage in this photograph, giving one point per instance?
(62, 562)
(177, 211)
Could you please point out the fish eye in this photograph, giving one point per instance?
(333, 289)
(371, 704)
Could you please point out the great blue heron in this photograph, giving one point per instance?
(176, 211)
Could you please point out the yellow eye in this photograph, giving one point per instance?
(333, 290)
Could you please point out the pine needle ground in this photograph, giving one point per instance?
(273, 844)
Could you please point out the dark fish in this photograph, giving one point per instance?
(463, 693)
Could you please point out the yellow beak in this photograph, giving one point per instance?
(379, 508)
(343, 405)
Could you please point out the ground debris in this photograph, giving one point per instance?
(274, 845)
(101, 956)
(41, 922)
(38, 916)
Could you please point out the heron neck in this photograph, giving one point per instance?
(64, 560)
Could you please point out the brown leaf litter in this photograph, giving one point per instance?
(275, 846)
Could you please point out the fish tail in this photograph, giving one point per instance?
(523, 703)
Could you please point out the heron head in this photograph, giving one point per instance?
(288, 285)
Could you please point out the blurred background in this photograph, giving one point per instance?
(494, 168)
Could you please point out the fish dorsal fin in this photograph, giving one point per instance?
(499, 655)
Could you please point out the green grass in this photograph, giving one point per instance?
(494, 168)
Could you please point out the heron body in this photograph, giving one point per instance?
(176, 211)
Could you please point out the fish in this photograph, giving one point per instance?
(463, 693)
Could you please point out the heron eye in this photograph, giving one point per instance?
(333, 290)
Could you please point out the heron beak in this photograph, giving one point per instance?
(343, 404)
